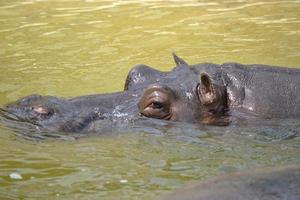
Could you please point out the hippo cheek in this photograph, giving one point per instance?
(186, 112)
(215, 120)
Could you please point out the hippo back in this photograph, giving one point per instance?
(264, 90)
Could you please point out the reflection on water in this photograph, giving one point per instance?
(155, 156)
(69, 48)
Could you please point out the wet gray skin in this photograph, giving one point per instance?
(279, 183)
(248, 91)
(72, 115)
(202, 93)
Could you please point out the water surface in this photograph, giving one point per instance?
(69, 48)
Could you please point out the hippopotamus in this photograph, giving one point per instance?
(203, 94)
(268, 183)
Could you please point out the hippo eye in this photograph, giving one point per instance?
(156, 103)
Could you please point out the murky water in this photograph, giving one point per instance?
(70, 48)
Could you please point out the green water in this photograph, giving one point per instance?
(70, 48)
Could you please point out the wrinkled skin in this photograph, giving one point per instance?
(203, 93)
(277, 183)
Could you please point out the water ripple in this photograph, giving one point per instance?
(250, 5)
(78, 47)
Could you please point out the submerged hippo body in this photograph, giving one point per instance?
(203, 93)
(277, 183)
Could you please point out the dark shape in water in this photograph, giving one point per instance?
(281, 183)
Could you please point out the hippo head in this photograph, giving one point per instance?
(186, 93)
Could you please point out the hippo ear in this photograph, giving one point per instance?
(205, 90)
(179, 61)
